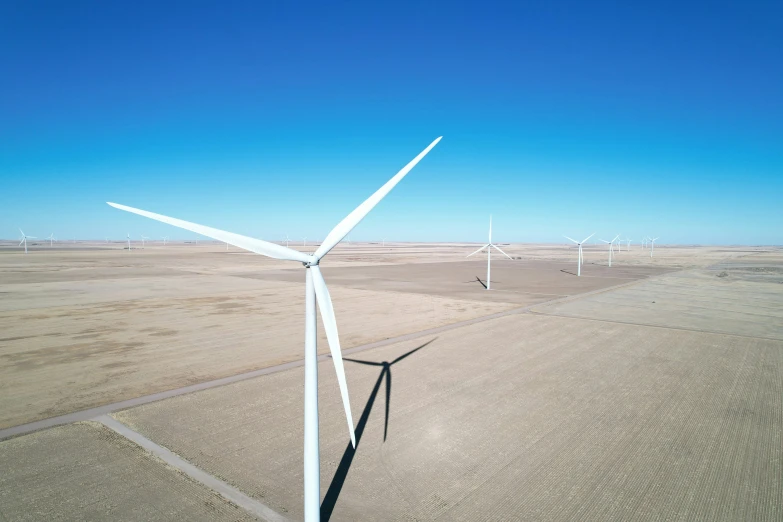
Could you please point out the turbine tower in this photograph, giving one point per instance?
(129, 247)
(25, 237)
(610, 243)
(652, 245)
(143, 237)
(51, 239)
(580, 260)
(315, 292)
(489, 246)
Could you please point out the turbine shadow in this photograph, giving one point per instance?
(330, 499)
(567, 272)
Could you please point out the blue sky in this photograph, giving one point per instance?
(266, 118)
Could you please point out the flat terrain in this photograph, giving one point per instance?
(87, 472)
(84, 327)
(696, 299)
(585, 401)
(524, 417)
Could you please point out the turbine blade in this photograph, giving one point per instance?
(490, 228)
(498, 249)
(20, 242)
(330, 326)
(574, 240)
(345, 226)
(588, 237)
(248, 243)
(479, 250)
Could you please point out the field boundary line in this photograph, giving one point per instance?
(223, 489)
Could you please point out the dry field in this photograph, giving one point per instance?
(87, 472)
(82, 327)
(586, 401)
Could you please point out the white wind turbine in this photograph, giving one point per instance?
(652, 245)
(165, 240)
(315, 291)
(489, 246)
(628, 245)
(286, 240)
(25, 237)
(143, 237)
(51, 239)
(304, 241)
(581, 259)
(129, 247)
(383, 242)
(610, 243)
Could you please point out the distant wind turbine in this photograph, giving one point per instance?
(489, 246)
(51, 239)
(286, 240)
(25, 237)
(315, 292)
(383, 242)
(304, 241)
(610, 243)
(129, 247)
(652, 245)
(143, 237)
(165, 240)
(580, 259)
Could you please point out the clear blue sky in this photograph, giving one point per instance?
(265, 118)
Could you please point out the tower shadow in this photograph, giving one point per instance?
(482, 283)
(330, 499)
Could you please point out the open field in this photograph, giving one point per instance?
(588, 401)
(87, 472)
(82, 327)
(737, 303)
(524, 417)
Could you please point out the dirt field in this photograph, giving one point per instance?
(525, 417)
(696, 299)
(87, 472)
(601, 405)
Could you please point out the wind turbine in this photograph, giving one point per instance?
(143, 237)
(628, 245)
(51, 239)
(652, 245)
(489, 246)
(286, 240)
(383, 242)
(610, 243)
(25, 237)
(129, 247)
(315, 291)
(165, 240)
(581, 259)
(304, 241)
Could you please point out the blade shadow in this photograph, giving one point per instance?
(567, 272)
(332, 494)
